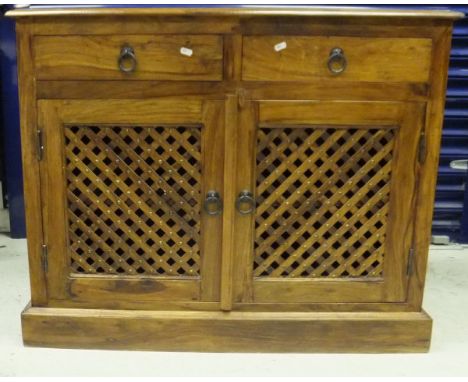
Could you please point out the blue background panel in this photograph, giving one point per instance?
(451, 206)
(9, 120)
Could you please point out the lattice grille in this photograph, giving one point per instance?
(134, 199)
(323, 197)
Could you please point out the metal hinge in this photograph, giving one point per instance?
(45, 263)
(410, 265)
(422, 148)
(40, 144)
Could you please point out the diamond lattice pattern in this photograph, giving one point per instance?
(323, 198)
(134, 199)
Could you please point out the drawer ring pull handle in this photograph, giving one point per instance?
(213, 204)
(245, 198)
(127, 59)
(337, 61)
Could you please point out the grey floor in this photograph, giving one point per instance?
(446, 300)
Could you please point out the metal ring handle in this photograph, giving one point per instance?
(245, 197)
(127, 59)
(337, 61)
(213, 204)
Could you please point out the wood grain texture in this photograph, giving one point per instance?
(53, 189)
(403, 197)
(120, 111)
(213, 148)
(322, 307)
(244, 225)
(316, 112)
(157, 57)
(228, 332)
(31, 165)
(230, 176)
(216, 90)
(305, 59)
(206, 25)
(244, 11)
(232, 58)
(427, 170)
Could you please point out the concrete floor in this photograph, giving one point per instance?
(446, 300)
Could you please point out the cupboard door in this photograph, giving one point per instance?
(124, 186)
(334, 186)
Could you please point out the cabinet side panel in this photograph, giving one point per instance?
(31, 168)
(428, 170)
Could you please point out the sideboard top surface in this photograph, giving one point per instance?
(240, 12)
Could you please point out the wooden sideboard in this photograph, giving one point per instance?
(248, 179)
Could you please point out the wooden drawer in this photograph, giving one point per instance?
(189, 57)
(301, 58)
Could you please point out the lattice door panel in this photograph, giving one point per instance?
(134, 199)
(322, 201)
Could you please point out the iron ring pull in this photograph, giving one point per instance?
(337, 61)
(127, 59)
(245, 197)
(213, 204)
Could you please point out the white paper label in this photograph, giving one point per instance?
(186, 51)
(281, 46)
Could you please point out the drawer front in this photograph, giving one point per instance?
(300, 58)
(188, 57)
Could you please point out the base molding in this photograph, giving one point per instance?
(299, 332)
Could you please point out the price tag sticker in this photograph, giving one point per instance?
(281, 46)
(186, 51)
